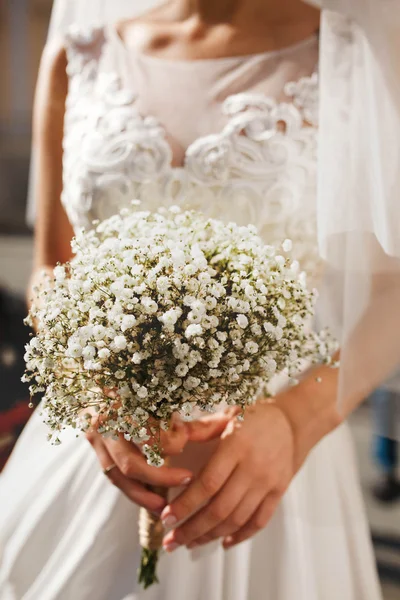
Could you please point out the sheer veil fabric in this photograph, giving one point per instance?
(359, 175)
(359, 183)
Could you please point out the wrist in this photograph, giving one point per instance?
(311, 409)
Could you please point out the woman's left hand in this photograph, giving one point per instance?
(241, 485)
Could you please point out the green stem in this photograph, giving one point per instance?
(147, 572)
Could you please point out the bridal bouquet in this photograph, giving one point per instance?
(172, 312)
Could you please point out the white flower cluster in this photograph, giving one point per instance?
(169, 311)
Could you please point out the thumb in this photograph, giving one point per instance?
(212, 426)
(175, 439)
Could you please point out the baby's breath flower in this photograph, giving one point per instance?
(120, 342)
(104, 353)
(213, 321)
(142, 392)
(281, 303)
(153, 457)
(170, 317)
(171, 311)
(149, 305)
(75, 350)
(181, 370)
(242, 321)
(191, 383)
(99, 332)
(60, 273)
(222, 336)
(89, 352)
(251, 347)
(136, 358)
(163, 283)
(287, 246)
(193, 330)
(128, 321)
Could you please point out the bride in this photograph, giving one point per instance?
(212, 105)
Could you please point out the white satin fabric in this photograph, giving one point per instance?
(67, 534)
(236, 138)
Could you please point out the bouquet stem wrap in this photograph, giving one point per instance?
(151, 533)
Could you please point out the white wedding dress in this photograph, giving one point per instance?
(235, 138)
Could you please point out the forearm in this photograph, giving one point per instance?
(53, 232)
(321, 402)
(312, 408)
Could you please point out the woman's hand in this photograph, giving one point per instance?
(242, 484)
(132, 473)
(238, 490)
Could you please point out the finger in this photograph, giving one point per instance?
(214, 513)
(206, 486)
(133, 465)
(137, 493)
(172, 441)
(257, 522)
(134, 491)
(175, 438)
(236, 521)
(212, 426)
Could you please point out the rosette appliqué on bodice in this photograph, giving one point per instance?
(259, 167)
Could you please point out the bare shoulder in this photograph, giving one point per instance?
(54, 57)
(52, 85)
(53, 70)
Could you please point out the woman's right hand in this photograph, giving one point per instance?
(132, 473)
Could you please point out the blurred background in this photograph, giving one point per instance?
(23, 28)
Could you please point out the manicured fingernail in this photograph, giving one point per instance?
(171, 547)
(168, 519)
(187, 480)
(228, 541)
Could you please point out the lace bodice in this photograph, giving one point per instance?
(253, 160)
